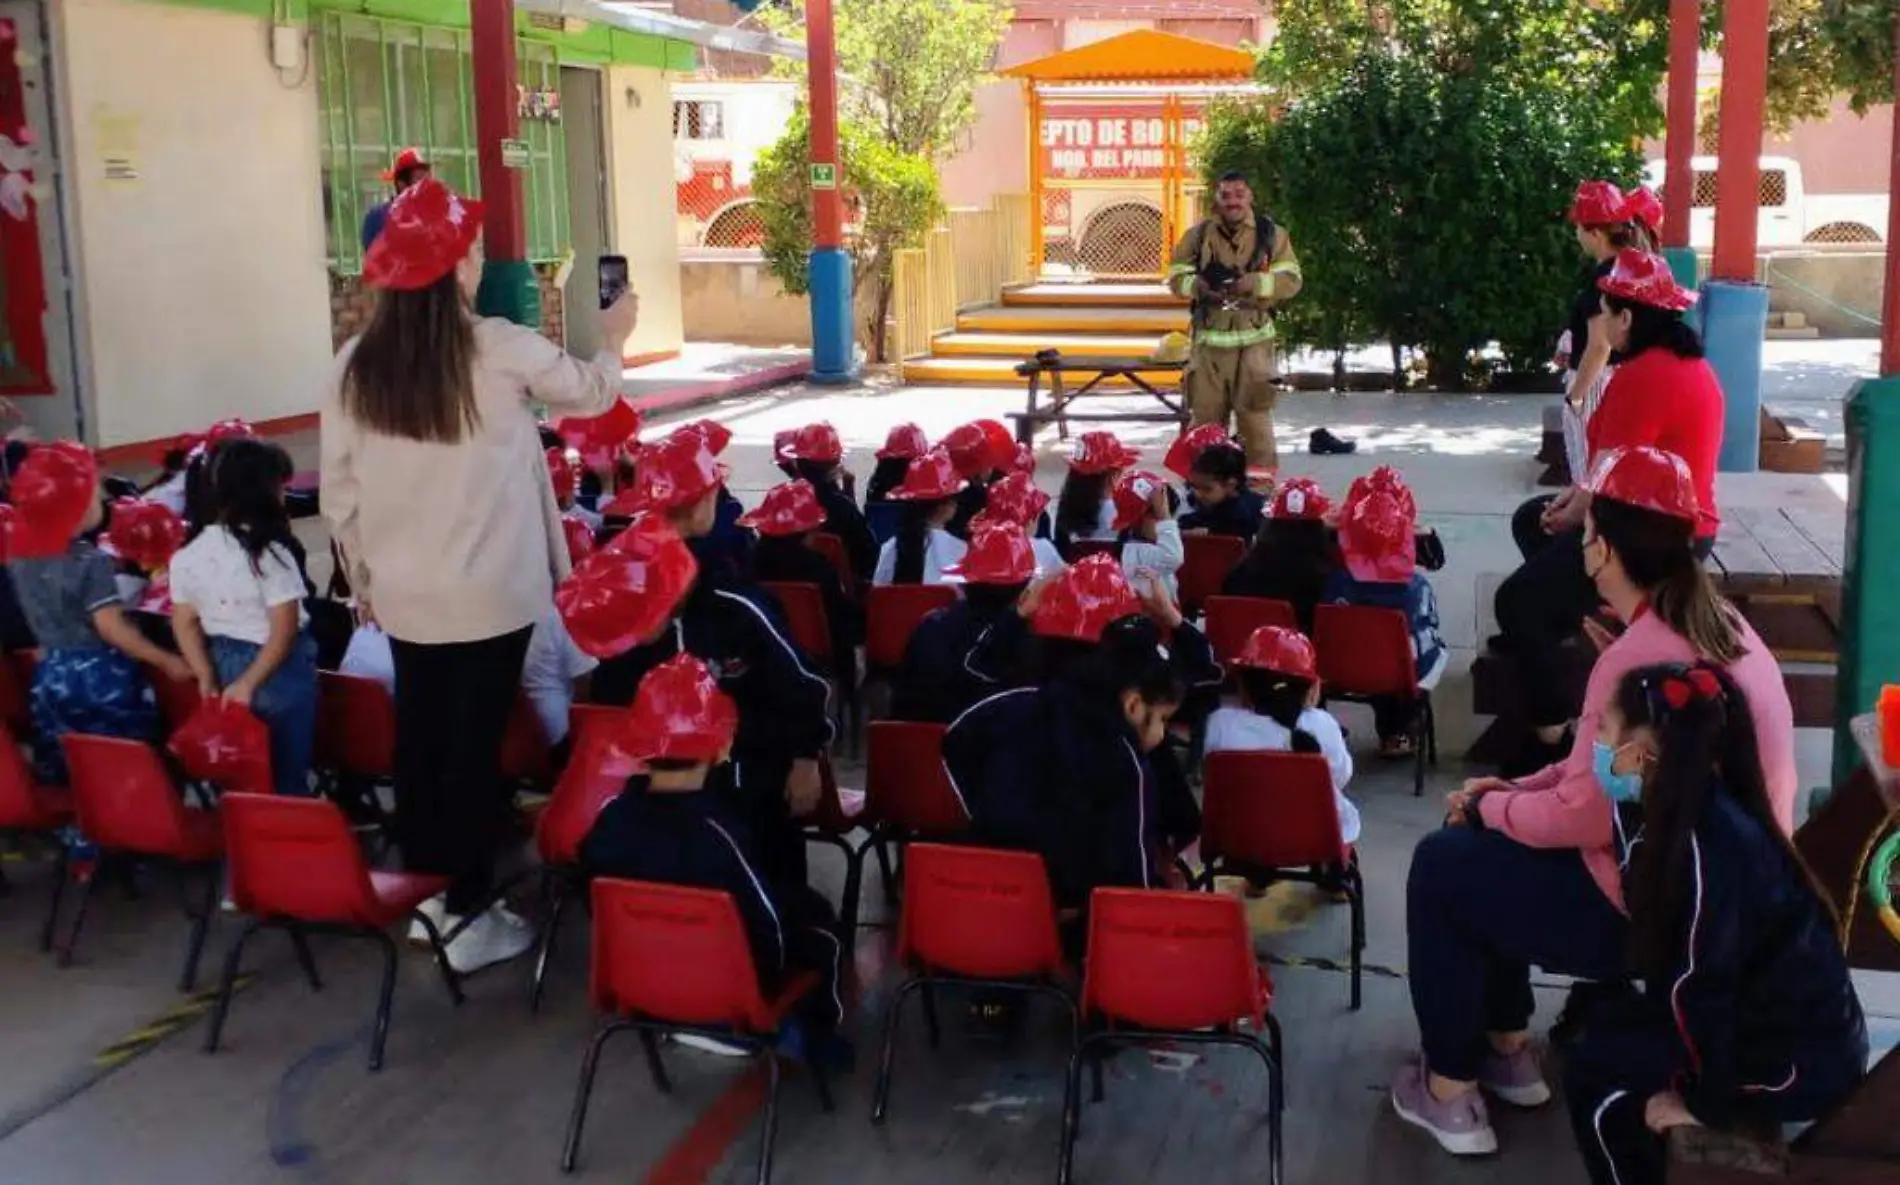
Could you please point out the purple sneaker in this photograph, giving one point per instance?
(1461, 1126)
(1514, 1078)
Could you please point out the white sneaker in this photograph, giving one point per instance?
(488, 940)
(709, 1045)
(436, 909)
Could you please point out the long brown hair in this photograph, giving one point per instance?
(1655, 551)
(413, 371)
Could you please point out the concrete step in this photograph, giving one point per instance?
(1018, 346)
(1805, 333)
(1001, 372)
(1057, 295)
(1056, 320)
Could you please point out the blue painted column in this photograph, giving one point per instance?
(1734, 321)
(833, 360)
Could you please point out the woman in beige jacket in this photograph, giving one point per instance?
(436, 491)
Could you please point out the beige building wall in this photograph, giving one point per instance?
(202, 288)
(639, 108)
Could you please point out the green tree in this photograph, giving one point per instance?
(891, 198)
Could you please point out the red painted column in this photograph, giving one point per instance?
(1685, 43)
(497, 118)
(1738, 175)
(1890, 303)
(821, 50)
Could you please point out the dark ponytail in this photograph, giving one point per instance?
(888, 475)
(913, 540)
(1655, 550)
(1130, 657)
(1281, 699)
(1079, 508)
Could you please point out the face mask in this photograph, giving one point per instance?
(1618, 788)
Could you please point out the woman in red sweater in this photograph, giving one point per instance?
(1663, 395)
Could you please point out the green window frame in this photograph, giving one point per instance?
(385, 85)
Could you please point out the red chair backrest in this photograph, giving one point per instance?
(1364, 650)
(294, 858)
(594, 777)
(1270, 810)
(804, 606)
(1165, 960)
(832, 548)
(24, 664)
(1081, 549)
(892, 614)
(978, 912)
(673, 954)
(125, 798)
(18, 801)
(356, 726)
(524, 746)
(905, 784)
(15, 707)
(1209, 558)
(1232, 620)
(177, 698)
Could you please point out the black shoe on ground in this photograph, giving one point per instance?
(1324, 444)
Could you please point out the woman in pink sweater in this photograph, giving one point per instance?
(1527, 874)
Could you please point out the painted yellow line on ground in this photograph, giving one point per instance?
(1373, 969)
(167, 1023)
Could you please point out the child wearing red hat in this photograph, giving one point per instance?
(942, 674)
(675, 823)
(1294, 556)
(680, 477)
(1607, 223)
(816, 453)
(1378, 543)
(1279, 683)
(1015, 499)
(982, 452)
(785, 521)
(88, 678)
(1085, 511)
(923, 546)
(1214, 466)
(1150, 538)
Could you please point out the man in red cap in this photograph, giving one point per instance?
(408, 168)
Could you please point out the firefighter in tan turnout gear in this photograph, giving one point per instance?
(1237, 267)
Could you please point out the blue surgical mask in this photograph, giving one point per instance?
(1618, 788)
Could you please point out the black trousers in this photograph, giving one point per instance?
(452, 707)
(1540, 607)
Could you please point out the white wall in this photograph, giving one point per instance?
(639, 108)
(756, 113)
(202, 286)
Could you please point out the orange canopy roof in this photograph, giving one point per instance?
(1141, 55)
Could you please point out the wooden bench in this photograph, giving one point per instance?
(1790, 445)
(1099, 369)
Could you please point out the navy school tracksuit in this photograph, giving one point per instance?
(700, 841)
(784, 706)
(939, 680)
(847, 522)
(726, 550)
(1082, 794)
(1238, 516)
(1756, 1020)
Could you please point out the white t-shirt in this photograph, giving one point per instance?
(554, 662)
(941, 549)
(213, 575)
(1242, 728)
(1163, 557)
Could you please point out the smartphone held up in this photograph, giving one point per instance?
(614, 279)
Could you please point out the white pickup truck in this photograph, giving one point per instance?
(1790, 216)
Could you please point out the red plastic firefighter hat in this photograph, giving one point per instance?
(1023, 461)
(716, 435)
(782, 447)
(1646, 279)
(1647, 478)
(597, 437)
(225, 744)
(1280, 650)
(679, 714)
(817, 443)
(979, 447)
(1000, 553)
(1390, 481)
(1599, 203)
(931, 478)
(1084, 599)
(789, 509)
(1645, 207)
(429, 229)
(1100, 452)
(407, 159)
(1134, 497)
(1014, 499)
(148, 534)
(234, 428)
(579, 536)
(1376, 536)
(1301, 498)
(1188, 446)
(674, 472)
(906, 442)
(624, 593)
(52, 492)
(561, 475)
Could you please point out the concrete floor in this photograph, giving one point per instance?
(102, 1078)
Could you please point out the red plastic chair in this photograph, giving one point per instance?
(296, 867)
(129, 806)
(592, 779)
(177, 698)
(832, 548)
(1232, 620)
(1208, 560)
(356, 738)
(28, 808)
(1272, 816)
(839, 813)
(1081, 549)
(1365, 653)
(907, 792)
(1175, 969)
(974, 918)
(810, 627)
(891, 615)
(667, 960)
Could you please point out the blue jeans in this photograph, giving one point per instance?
(286, 703)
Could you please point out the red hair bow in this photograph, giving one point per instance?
(1697, 683)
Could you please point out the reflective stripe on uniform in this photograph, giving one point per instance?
(1286, 267)
(1178, 273)
(1234, 339)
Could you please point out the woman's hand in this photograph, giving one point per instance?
(1666, 1110)
(240, 693)
(365, 615)
(618, 321)
(1464, 800)
(208, 688)
(1158, 503)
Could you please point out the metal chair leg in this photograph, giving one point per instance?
(86, 888)
(555, 894)
(880, 842)
(1356, 888)
(1071, 1116)
(821, 1082)
(770, 1134)
(1276, 1105)
(887, 1053)
(200, 926)
(1418, 750)
(227, 984)
(584, 1091)
(650, 1042)
(1277, 1041)
(306, 958)
(853, 897)
(1096, 1077)
(61, 870)
(385, 1001)
(450, 979)
(930, 1013)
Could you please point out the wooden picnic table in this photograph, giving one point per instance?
(1100, 369)
(1791, 554)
